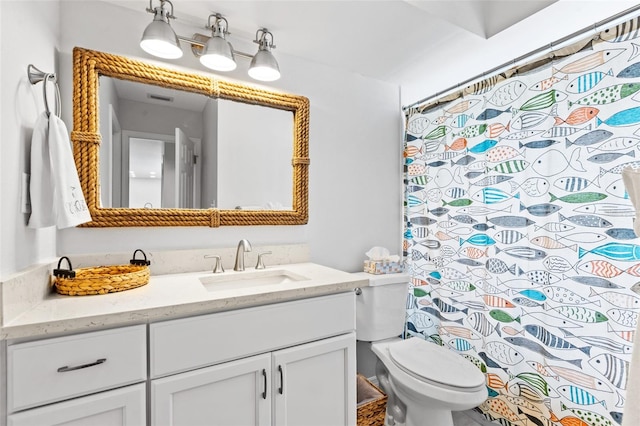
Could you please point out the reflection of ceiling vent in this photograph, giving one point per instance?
(160, 97)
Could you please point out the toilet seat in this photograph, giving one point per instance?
(436, 365)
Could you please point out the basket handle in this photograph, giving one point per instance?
(64, 273)
(141, 262)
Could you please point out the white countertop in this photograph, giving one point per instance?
(171, 296)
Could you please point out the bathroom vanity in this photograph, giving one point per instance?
(270, 347)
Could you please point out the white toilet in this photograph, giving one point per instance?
(424, 382)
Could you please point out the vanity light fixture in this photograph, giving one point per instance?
(264, 66)
(218, 52)
(215, 52)
(158, 38)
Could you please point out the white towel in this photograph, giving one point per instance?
(631, 416)
(56, 195)
(41, 184)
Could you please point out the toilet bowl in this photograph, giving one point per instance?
(429, 380)
(424, 382)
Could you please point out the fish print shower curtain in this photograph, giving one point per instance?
(519, 233)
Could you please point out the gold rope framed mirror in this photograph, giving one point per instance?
(89, 66)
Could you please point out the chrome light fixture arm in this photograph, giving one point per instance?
(264, 39)
(217, 28)
(161, 10)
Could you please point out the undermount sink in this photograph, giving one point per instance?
(236, 280)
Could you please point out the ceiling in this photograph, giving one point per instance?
(394, 40)
(484, 18)
(156, 95)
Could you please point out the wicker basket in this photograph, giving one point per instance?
(372, 403)
(101, 279)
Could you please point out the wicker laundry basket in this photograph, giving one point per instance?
(372, 403)
(101, 279)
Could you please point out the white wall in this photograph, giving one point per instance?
(29, 34)
(355, 184)
(254, 156)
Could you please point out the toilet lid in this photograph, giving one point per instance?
(434, 363)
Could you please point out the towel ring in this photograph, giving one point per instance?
(36, 76)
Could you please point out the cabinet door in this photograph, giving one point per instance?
(233, 393)
(120, 407)
(315, 383)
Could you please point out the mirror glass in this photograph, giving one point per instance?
(164, 148)
(228, 154)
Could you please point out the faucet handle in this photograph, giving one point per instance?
(217, 268)
(260, 264)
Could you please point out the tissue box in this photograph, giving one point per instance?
(382, 267)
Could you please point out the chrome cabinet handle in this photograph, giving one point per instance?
(80, 367)
(264, 375)
(281, 388)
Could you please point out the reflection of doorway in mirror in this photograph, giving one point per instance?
(185, 197)
(145, 172)
(159, 171)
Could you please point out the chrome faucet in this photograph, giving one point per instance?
(243, 247)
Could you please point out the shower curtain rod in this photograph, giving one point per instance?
(530, 54)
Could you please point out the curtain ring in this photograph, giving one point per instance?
(552, 58)
(596, 34)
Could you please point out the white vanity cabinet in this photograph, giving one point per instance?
(308, 384)
(290, 364)
(80, 379)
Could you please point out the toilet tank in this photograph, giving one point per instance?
(381, 307)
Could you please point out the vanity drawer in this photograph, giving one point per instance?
(189, 343)
(50, 370)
